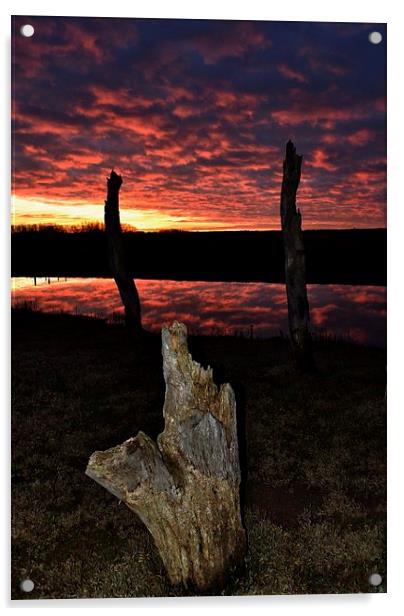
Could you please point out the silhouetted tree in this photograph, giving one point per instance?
(120, 271)
(295, 267)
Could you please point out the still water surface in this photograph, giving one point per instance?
(231, 308)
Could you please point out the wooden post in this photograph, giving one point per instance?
(295, 268)
(185, 486)
(116, 250)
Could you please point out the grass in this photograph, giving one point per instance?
(312, 450)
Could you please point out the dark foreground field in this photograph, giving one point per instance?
(312, 453)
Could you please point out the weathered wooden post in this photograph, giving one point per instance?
(117, 259)
(295, 267)
(185, 487)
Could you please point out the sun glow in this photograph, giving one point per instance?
(69, 213)
(27, 211)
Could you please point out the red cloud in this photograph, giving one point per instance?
(360, 137)
(288, 72)
(235, 40)
(319, 159)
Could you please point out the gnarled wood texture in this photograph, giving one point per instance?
(117, 259)
(295, 265)
(185, 487)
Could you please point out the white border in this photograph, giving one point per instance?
(305, 10)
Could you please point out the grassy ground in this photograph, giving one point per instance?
(312, 451)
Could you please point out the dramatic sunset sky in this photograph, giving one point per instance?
(195, 116)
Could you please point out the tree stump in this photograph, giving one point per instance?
(185, 487)
(117, 258)
(295, 263)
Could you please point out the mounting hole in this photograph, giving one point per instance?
(27, 30)
(375, 579)
(27, 585)
(375, 37)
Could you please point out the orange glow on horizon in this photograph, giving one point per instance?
(28, 211)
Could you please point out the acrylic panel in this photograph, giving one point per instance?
(190, 194)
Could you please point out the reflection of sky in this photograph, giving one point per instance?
(221, 307)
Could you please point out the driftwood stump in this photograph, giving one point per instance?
(295, 265)
(117, 258)
(185, 487)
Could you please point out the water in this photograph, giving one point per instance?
(230, 308)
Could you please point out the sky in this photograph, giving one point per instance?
(195, 115)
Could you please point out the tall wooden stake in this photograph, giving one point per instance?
(295, 267)
(120, 271)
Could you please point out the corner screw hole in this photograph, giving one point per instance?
(27, 30)
(375, 38)
(375, 579)
(27, 585)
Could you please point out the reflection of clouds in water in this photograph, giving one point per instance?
(320, 315)
(207, 306)
(359, 311)
(222, 306)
